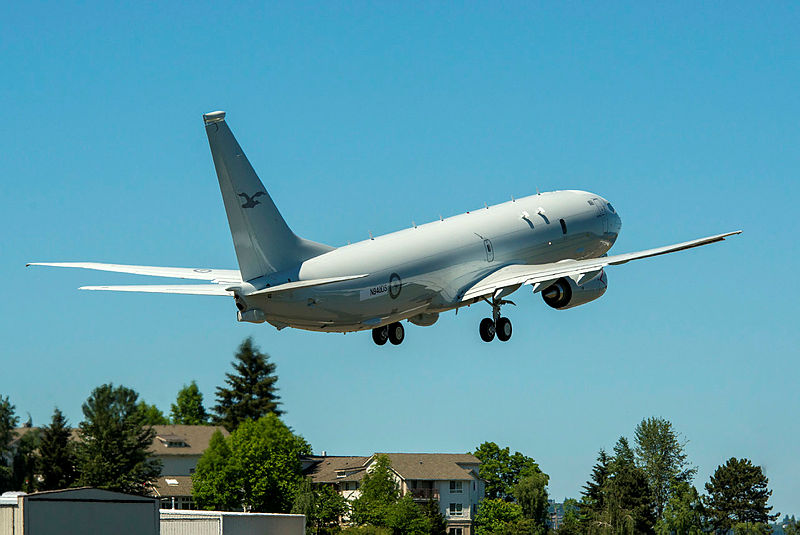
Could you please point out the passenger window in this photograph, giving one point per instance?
(563, 226)
(611, 208)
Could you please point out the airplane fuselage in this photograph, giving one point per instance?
(425, 269)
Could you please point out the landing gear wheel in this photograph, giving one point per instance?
(503, 329)
(487, 329)
(380, 335)
(396, 333)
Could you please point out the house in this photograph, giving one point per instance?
(449, 478)
(179, 447)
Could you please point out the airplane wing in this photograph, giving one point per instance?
(186, 289)
(213, 275)
(582, 271)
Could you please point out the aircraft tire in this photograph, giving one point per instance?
(487, 329)
(380, 335)
(504, 329)
(397, 333)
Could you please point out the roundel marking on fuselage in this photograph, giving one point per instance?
(395, 285)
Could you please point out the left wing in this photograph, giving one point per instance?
(186, 289)
(582, 271)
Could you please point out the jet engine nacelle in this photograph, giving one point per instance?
(425, 319)
(565, 293)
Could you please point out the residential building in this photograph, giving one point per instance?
(449, 478)
(179, 447)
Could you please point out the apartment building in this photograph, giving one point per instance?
(449, 478)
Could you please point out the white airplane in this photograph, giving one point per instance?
(555, 242)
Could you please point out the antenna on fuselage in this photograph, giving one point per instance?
(370, 235)
(513, 199)
(537, 191)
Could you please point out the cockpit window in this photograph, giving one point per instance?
(611, 208)
(590, 202)
(563, 226)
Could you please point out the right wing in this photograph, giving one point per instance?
(582, 271)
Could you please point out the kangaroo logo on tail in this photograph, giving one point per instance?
(250, 200)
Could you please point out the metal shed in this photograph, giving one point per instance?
(176, 522)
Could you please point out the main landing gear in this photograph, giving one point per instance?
(394, 333)
(496, 325)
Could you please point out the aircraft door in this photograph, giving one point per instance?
(487, 245)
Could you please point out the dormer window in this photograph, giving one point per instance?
(172, 441)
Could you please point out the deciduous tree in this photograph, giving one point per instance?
(8, 421)
(322, 506)
(152, 415)
(56, 454)
(251, 391)
(256, 468)
(683, 512)
(661, 455)
(114, 442)
(738, 494)
(188, 408)
(496, 515)
(531, 494)
(501, 470)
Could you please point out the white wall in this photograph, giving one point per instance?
(177, 466)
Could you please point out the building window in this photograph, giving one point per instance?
(351, 485)
(456, 509)
(455, 531)
(455, 487)
(563, 226)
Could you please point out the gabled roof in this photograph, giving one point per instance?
(167, 486)
(183, 439)
(424, 466)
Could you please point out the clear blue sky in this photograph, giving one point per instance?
(363, 117)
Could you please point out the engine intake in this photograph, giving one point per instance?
(565, 293)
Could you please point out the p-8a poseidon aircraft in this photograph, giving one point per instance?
(554, 242)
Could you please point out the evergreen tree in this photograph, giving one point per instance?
(23, 466)
(738, 494)
(660, 454)
(593, 500)
(257, 468)
(115, 439)
(628, 499)
(188, 408)
(252, 392)
(56, 463)
(8, 421)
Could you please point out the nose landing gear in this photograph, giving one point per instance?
(394, 333)
(496, 325)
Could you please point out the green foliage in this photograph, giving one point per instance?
(738, 494)
(188, 408)
(790, 526)
(152, 415)
(660, 454)
(251, 391)
(594, 496)
(322, 506)
(748, 528)
(366, 530)
(572, 519)
(8, 421)
(379, 492)
(683, 512)
(56, 463)
(501, 470)
(257, 468)
(496, 515)
(113, 451)
(531, 494)
(380, 504)
(24, 462)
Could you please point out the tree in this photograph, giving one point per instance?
(56, 463)
(531, 494)
(501, 470)
(495, 515)
(738, 494)
(152, 415)
(23, 465)
(790, 526)
(593, 503)
(257, 468)
(188, 408)
(322, 506)
(683, 512)
(572, 518)
(8, 421)
(379, 491)
(114, 442)
(252, 392)
(660, 454)
(748, 528)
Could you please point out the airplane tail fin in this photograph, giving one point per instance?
(263, 241)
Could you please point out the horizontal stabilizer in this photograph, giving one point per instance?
(186, 289)
(296, 285)
(213, 275)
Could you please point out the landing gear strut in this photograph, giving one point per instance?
(496, 325)
(394, 333)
